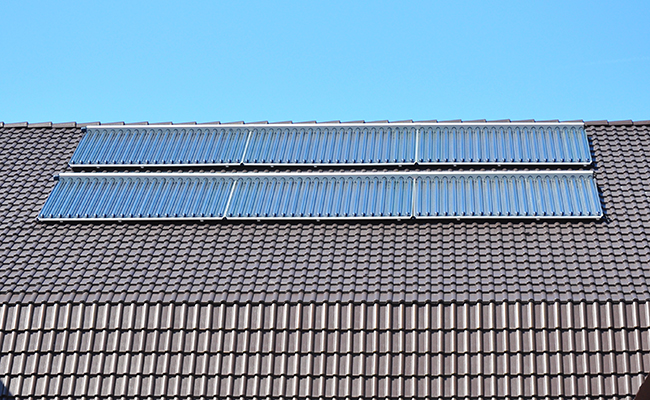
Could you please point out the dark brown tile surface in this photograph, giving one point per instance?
(513, 350)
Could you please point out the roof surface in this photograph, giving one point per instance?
(269, 262)
(118, 273)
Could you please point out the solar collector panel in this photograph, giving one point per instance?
(160, 145)
(137, 196)
(330, 145)
(521, 195)
(562, 144)
(299, 196)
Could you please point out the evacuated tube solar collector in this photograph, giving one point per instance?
(341, 195)
(241, 196)
(333, 144)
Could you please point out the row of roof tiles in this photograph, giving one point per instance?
(329, 316)
(426, 376)
(281, 387)
(82, 124)
(564, 344)
(190, 356)
(167, 281)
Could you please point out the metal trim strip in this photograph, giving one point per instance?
(232, 191)
(400, 218)
(324, 174)
(272, 125)
(248, 141)
(307, 165)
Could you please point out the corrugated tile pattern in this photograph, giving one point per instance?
(408, 261)
(544, 350)
(531, 194)
(565, 144)
(314, 144)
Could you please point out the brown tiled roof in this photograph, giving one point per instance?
(493, 350)
(512, 301)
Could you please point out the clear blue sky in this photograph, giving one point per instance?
(323, 60)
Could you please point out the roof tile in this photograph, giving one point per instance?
(622, 122)
(596, 123)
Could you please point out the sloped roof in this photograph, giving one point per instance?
(130, 279)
